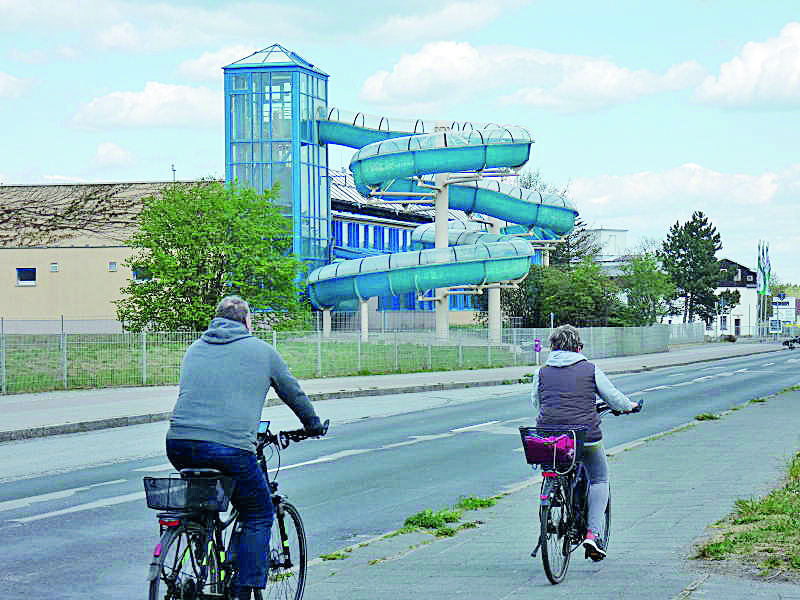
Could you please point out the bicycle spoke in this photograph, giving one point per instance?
(286, 576)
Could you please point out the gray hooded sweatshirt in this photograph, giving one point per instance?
(225, 377)
(571, 384)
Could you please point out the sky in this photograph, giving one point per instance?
(647, 111)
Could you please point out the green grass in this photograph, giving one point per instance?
(428, 519)
(36, 362)
(475, 503)
(334, 556)
(763, 531)
(706, 417)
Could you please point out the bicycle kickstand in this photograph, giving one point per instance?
(536, 550)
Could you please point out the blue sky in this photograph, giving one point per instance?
(648, 111)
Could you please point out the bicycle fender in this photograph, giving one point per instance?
(546, 495)
(155, 565)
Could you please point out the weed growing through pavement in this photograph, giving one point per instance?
(706, 417)
(763, 531)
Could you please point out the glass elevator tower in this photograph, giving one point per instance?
(273, 99)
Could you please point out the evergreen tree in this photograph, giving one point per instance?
(688, 255)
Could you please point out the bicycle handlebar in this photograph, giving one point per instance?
(603, 407)
(284, 438)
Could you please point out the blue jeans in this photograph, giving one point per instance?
(251, 497)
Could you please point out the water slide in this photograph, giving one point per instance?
(396, 160)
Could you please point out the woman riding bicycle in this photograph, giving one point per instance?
(564, 392)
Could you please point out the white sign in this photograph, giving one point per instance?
(784, 309)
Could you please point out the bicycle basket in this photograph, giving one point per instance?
(175, 493)
(550, 447)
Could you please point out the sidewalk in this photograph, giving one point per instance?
(25, 416)
(665, 492)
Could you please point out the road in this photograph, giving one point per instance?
(74, 523)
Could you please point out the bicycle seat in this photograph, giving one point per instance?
(200, 473)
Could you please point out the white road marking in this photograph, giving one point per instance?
(658, 387)
(81, 507)
(460, 429)
(23, 502)
(157, 468)
(768, 364)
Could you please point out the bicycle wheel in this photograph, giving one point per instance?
(288, 560)
(605, 535)
(186, 566)
(555, 542)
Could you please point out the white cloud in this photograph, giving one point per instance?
(743, 207)
(208, 66)
(11, 86)
(763, 75)
(111, 155)
(452, 19)
(34, 57)
(560, 82)
(149, 26)
(64, 179)
(439, 69)
(158, 105)
(589, 84)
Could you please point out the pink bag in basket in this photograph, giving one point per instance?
(551, 450)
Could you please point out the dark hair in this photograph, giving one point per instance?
(566, 337)
(233, 308)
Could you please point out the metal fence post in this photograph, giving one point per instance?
(359, 352)
(319, 353)
(460, 354)
(144, 357)
(64, 357)
(274, 339)
(430, 355)
(3, 354)
(396, 353)
(489, 352)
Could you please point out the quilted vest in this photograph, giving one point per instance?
(567, 396)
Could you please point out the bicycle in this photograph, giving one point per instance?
(564, 497)
(192, 560)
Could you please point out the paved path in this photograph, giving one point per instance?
(666, 492)
(49, 413)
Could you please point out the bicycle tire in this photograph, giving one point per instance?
(187, 564)
(288, 557)
(606, 533)
(554, 521)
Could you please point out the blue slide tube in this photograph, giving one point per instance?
(387, 160)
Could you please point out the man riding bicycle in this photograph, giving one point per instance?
(225, 377)
(564, 392)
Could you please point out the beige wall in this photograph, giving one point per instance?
(83, 286)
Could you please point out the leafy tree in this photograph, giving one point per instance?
(199, 242)
(688, 255)
(647, 288)
(580, 296)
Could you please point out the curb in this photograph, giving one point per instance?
(109, 423)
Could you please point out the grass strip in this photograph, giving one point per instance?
(763, 531)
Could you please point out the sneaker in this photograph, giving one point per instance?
(594, 547)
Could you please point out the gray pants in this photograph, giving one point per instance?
(594, 456)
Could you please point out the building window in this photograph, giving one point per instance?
(723, 323)
(26, 276)
(54, 267)
(112, 267)
(749, 278)
(141, 274)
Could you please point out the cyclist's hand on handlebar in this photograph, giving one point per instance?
(316, 428)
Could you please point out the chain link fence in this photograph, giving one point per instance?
(42, 362)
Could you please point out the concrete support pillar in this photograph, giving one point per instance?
(326, 322)
(441, 241)
(364, 314)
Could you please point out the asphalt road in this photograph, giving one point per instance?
(74, 523)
